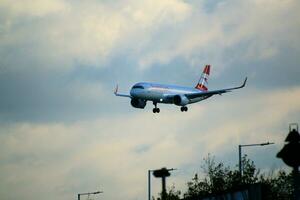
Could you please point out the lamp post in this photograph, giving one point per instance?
(88, 193)
(248, 145)
(149, 184)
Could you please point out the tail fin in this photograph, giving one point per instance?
(203, 84)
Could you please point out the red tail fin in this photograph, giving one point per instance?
(203, 84)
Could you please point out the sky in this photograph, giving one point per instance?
(62, 130)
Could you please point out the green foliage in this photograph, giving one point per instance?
(277, 185)
(218, 178)
(172, 194)
(197, 187)
(250, 173)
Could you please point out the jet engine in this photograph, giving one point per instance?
(180, 100)
(138, 103)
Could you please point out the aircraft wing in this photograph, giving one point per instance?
(120, 95)
(214, 92)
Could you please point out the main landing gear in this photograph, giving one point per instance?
(184, 109)
(156, 109)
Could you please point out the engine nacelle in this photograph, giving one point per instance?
(138, 103)
(180, 100)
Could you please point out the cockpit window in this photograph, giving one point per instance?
(138, 86)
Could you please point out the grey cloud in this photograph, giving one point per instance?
(86, 91)
(109, 152)
(37, 96)
(62, 126)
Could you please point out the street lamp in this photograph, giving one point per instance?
(248, 145)
(149, 183)
(88, 193)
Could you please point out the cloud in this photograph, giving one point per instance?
(59, 34)
(34, 7)
(62, 159)
(244, 28)
(62, 130)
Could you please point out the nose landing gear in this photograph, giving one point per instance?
(156, 109)
(184, 109)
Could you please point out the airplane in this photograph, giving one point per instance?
(181, 96)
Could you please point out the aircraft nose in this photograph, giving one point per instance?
(133, 92)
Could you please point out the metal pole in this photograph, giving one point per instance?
(78, 196)
(149, 184)
(240, 153)
(164, 192)
(240, 160)
(296, 184)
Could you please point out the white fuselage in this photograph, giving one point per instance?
(162, 93)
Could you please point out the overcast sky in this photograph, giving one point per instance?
(62, 131)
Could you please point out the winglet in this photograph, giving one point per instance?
(116, 90)
(234, 88)
(120, 95)
(245, 81)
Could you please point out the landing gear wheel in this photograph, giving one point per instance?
(184, 109)
(156, 110)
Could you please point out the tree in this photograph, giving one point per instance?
(219, 178)
(196, 187)
(278, 185)
(172, 194)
